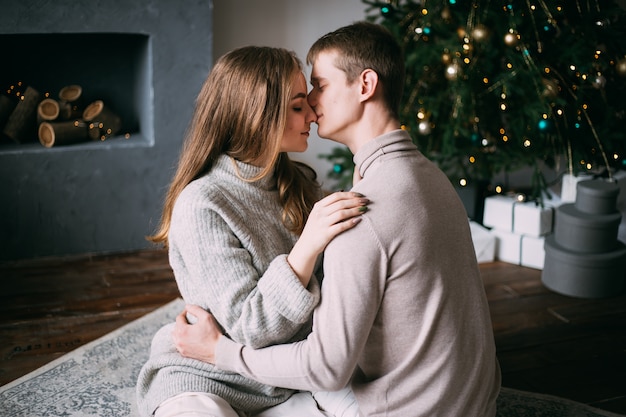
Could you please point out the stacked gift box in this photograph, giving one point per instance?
(520, 227)
(484, 243)
(584, 258)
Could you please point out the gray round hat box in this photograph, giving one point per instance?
(583, 258)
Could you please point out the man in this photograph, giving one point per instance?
(403, 317)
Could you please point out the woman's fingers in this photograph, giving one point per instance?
(341, 201)
(340, 206)
(345, 198)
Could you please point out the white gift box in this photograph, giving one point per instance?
(519, 249)
(484, 243)
(527, 218)
(532, 219)
(569, 184)
(498, 212)
(533, 252)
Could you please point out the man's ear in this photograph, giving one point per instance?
(369, 82)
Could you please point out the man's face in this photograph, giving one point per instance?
(335, 102)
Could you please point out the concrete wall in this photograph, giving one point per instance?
(104, 196)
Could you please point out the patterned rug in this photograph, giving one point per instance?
(98, 379)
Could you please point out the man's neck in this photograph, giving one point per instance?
(366, 131)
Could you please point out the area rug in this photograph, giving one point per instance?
(98, 379)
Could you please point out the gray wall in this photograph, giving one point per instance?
(104, 197)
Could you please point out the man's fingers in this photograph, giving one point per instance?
(182, 318)
(195, 310)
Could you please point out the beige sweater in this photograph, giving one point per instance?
(403, 314)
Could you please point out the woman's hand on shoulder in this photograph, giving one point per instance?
(329, 217)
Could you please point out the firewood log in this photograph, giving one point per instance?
(102, 121)
(71, 102)
(22, 124)
(48, 110)
(62, 133)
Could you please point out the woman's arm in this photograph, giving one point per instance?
(214, 270)
(330, 216)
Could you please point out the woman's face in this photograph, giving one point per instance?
(299, 118)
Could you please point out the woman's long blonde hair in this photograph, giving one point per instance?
(241, 111)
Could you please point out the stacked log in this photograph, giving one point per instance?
(102, 121)
(25, 115)
(22, 122)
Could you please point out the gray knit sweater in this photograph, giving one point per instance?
(228, 249)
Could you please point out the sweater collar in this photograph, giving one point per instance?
(395, 141)
(243, 170)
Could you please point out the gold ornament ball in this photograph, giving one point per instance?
(480, 33)
(550, 88)
(620, 67)
(445, 13)
(510, 39)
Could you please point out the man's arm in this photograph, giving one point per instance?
(198, 340)
(351, 296)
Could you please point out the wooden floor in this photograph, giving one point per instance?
(547, 343)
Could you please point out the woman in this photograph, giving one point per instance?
(231, 222)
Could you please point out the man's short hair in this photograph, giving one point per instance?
(364, 45)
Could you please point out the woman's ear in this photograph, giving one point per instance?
(369, 81)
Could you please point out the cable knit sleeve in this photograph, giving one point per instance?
(213, 269)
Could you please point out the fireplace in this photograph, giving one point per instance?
(112, 68)
(145, 60)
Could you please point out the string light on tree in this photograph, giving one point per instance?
(525, 70)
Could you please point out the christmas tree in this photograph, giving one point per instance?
(495, 86)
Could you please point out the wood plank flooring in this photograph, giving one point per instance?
(547, 343)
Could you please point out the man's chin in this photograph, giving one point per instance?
(322, 134)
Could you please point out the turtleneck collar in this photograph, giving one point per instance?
(397, 140)
(244, 170)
